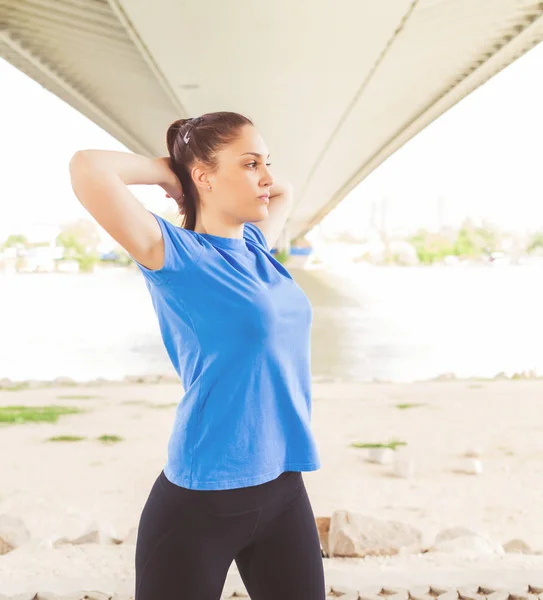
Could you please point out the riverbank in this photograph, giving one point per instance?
(473, 448)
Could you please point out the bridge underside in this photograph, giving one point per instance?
(334, 87)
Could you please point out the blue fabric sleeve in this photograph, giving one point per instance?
(254, 234)
(181, 251)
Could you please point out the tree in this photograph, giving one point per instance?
(80, 240)
(535, 243)
(16, 239)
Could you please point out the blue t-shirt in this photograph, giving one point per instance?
(236, 327)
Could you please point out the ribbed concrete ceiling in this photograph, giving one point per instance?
(334, 87)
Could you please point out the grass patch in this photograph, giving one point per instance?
(393, 444)
(170, 405)
(78, 397)
(406, 405)
(109, 439)
(34, 414)
(66, 438)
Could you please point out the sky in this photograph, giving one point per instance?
(481, 159)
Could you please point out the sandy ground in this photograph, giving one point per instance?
(61, 489)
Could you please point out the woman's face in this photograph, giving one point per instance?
(242, 176)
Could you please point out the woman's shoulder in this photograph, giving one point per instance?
(182, 249)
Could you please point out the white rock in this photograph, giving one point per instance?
(404, 466)
(352, 534)
(472, 466)
(517, 546)
(464, 542)
(469, 546)
(452, 533)
(381, 456)
(13, 533)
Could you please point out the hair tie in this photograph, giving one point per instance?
(191, 125)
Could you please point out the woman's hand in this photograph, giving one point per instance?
(169, 181)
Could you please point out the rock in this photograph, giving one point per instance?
(400, 595)
(464, 542)
(468, 593)
(381, 456)
(91, 537)
(352, 595)
(404, 467)
(344, 592)
(521, 594)
(323, 527)
(388, 590)
(498, 596)
(471, 466)
(93, 534)
(535, 589)
(486, 590)
(13, 533)
(355, 535)
(473, 452)
(441, 590)
(95, 596)
(370, 592)
(451, 595)
(517, 546)
(55, 542)
(451, 533)
(420, 592)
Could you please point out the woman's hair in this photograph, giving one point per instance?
(189, 140)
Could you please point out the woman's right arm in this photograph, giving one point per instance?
(100, 179)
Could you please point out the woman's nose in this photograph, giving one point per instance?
(267, 179)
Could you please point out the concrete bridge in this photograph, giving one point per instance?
(334, 87)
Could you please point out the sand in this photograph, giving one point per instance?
(62, 488)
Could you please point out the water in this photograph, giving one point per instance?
(398, 324)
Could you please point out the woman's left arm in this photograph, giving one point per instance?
(281, 201)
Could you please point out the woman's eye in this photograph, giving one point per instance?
(254, 163)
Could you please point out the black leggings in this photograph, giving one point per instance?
(187, 540)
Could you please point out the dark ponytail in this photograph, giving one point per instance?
(206, 136)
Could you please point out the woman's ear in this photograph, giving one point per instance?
(199, 176)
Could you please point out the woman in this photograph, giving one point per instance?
(237, 330)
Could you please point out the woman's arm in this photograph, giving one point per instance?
(100, 178)
(279, 208)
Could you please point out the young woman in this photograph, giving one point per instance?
(237, 330)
